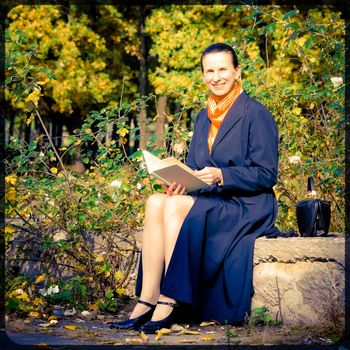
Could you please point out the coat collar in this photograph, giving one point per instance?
(234, 114)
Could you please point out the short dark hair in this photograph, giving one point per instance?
(220, 47)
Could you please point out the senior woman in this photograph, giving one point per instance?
(197, 248)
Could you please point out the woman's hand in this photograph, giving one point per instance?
(210, 175)
(174, 188)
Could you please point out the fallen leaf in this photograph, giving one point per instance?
(27, 320)
(144, 337)
(133, 340)
(177, 328)
(71, 327)
(40, 279)
(70, 312)
(46, 325)
(100, 317)
(85, 313)
(205, 324)
(210, 332)
(53, 321)
(34, 314)
(52, 318)
(207, 338)
(162, 332)
(187, 331)
(189, 341)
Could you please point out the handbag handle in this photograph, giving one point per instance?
(311, 186)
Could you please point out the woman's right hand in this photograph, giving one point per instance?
(174, 189)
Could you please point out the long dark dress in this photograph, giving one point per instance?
(212, 263)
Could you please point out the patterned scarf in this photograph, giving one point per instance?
(217, 109)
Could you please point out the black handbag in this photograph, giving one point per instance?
(313, 215)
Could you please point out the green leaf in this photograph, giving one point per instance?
(293, 36)
(290, 14)
(270, 28)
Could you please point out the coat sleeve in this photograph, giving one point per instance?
(263, 153)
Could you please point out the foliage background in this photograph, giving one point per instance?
(87, 86)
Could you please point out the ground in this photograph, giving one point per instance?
(93, 329)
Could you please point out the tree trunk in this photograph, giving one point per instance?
(142, 80)
(160, 122)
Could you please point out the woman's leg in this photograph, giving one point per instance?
(152, 252)
(175, 210)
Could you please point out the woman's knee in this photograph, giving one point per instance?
(177, 206)
(155, 202)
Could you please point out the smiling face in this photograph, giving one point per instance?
(219, 74)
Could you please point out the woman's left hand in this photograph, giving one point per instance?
(210, 175)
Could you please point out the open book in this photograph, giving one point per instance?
(171, 170)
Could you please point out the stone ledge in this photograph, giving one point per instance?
(301, 280)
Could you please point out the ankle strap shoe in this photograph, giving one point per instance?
(153, 326)
(135, 323)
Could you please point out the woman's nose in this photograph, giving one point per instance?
(216, 76)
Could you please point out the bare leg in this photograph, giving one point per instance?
(175, 210)
(152, 252)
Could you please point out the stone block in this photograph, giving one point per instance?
(300, 280)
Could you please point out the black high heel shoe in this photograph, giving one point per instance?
(152, 326)
(135, 323)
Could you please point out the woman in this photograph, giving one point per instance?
(197, 248)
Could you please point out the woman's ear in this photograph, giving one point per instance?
(238, 73)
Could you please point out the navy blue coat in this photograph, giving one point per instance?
(212, 264)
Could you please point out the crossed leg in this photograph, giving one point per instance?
(163, 220)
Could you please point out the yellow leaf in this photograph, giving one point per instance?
(99, 258)
(93, 307)
(54, 170)
(30, 119)
(11, 179)
(34, 97)
(296, 111)
(118, 275)
(207, 338)
(34, 314)
(162, 332)
(122, 131)
(133, 340)
(210, 332)
(52, 318)
(24, 296)
(9, 229)
(41, 82)
(120, 291)
(187, 331)
(40, 279)
(144, 337)
(27, 320)
(71, 327)
(205, 324)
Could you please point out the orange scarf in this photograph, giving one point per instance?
(217, 109)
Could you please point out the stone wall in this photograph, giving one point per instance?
(300, 280)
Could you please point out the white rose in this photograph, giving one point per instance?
(116, 184)
(43, 292)
(139, 186)
(55, 289)
(337, 81)
(178, 148)
(190, 134)
(294, 159)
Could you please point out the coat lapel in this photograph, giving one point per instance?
(234, 114)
